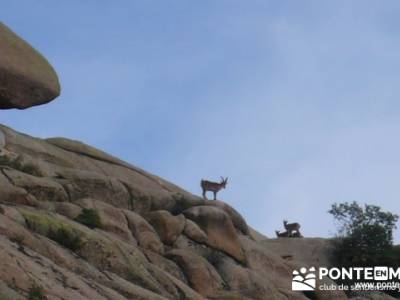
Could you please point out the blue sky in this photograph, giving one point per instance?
(296, 101)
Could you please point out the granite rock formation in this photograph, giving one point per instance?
(26, 77)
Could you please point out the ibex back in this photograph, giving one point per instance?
(214, 187)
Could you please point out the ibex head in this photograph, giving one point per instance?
(224, 182)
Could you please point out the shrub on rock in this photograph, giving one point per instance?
(90, 218)
(36, 293)
(66, 238)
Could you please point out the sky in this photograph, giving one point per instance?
(297, 102)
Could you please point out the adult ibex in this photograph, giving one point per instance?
(292, 227)
(214, 187)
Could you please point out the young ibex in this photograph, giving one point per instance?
(214, 187)
(292, 227)
(296, 234)
(281, 234)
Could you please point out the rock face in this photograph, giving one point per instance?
(168, 227)
(221, 233)
(201, 275)
(154, 241)
(26, 78)
(310, 251)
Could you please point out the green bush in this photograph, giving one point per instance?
(391, 257)
(31, 170)
(66, 237)
(89, 218)
(36, 293)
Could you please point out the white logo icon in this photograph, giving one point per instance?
(381, 273)
(305, 280)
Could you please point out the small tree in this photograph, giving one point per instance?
(351, 216)
(365, 234)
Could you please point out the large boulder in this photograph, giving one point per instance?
(218, 226)
(81, 184)
(201, 275)
(266, 264)
(168, 227)
(43, 189)
(244, 280)
(165, 264)
(194, 232)
(12, 194)
(112, 219)
(26, 77)
(143, 232)
(238, 221)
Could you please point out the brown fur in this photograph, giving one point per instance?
(292, 228)
(214, 187)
